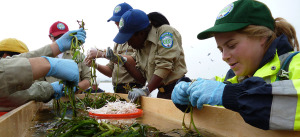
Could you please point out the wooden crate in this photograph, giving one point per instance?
(211, 120)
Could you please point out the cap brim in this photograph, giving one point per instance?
(226, 27)
(122, 37)
(114, 18)
(58, 33)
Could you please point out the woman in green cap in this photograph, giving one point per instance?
(265, 70)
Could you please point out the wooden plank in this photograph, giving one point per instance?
(211, 119)
(16, 122)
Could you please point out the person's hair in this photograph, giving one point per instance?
(157, 19)
(9, 53)
(281, 27)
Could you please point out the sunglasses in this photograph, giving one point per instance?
(55, 38)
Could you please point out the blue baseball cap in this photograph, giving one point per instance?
(119, 10)
(132, 21)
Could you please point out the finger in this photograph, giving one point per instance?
(179, 100)
(129, 96)
(194, 98)
(81, 38)
(200, 103)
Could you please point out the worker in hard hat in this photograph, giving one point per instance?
(12, 46)
(18, 88)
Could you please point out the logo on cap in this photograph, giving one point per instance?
(117, 9)
(61, 26)
(121, 23)
(166, 40)
(225, 11)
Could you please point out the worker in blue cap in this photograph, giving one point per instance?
(122, 81)
(159, 58)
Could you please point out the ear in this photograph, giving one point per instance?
(5, 55)
(263, 41)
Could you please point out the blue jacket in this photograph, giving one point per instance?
(262, 101)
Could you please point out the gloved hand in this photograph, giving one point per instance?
(179, 94)
(64, 69)
(206, 92)
(180, 97)
(137, 92)
(114, 58)
(58, 89)
(64, 42)
(74, 89)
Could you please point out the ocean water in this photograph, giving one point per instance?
(108, 88)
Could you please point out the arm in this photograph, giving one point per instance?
(40, 67)
(261, 104)
(134, 72)
(40, 91)
(104, 70)
(32, 69)
(154, 82)
(60, 45)
(84, 84)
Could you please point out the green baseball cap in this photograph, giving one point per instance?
(238, 15)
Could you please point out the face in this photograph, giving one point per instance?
(137, 40)
(117, 23)
(240, 52)
(52, 38)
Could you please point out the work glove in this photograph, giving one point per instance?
(179, 96)
(205, 92)
(64, 69)
(58, 89)
(64, 42)
(137, 92)
(114, 58)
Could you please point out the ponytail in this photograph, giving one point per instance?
(283, 27)
(157, 19)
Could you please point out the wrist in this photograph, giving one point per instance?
(60, 47)
(99, 53)
(146, 90)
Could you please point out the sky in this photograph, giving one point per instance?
(30, 20)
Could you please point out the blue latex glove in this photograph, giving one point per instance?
(74, 89)
(64, 69)
(137, 92)
(114, 58)
(206, 92)
(179, 94)
(64, 42)
(58, 89)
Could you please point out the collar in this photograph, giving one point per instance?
(152, 35)
(281, 44)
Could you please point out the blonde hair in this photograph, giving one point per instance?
(281, 27)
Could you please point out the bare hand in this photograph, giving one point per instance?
(88, 62)
(95, 53)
